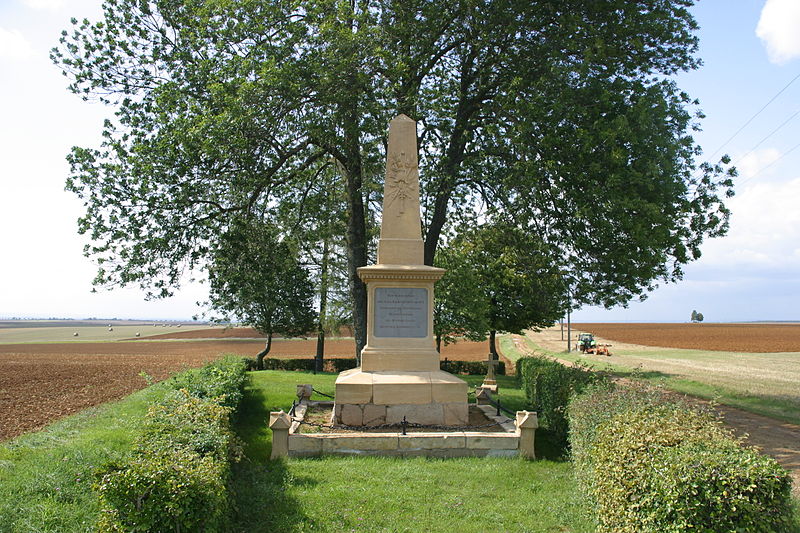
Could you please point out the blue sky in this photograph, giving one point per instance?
(750, 49)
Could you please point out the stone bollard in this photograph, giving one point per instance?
(279, 423)
(483, 396)
(304, 392)
(527, 422)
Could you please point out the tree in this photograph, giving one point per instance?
(513, 283)
(257, 278)
(460, 310)
(561, 115)
(694, 315)
(700, 317)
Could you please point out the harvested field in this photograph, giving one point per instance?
(40, 383)
(209, 333)
(751, 338)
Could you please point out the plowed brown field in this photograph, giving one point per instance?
(40, 383)
(752, 338)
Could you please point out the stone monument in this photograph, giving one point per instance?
(399, 374)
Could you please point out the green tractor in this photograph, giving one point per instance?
(587, 345)
(586, 342)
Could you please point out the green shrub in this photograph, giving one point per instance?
(177, 474)
(474, 368)
(341, 364)
(176, 490)
(706, 488)
(222, 380)
(649, 464)
(195, 424)
(549, 385)
(599, 402)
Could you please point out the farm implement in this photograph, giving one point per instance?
(588, 345)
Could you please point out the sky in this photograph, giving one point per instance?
(748, 88)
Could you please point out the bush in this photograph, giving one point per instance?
(549, 385)
(176, 490)
(475, 368)
(598, 403)
(650, 464)
(221, 380)
(341, 364)
(176, 477)
(187, 422)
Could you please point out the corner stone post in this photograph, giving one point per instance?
(279, 423)
(304, 392)
(527, 422)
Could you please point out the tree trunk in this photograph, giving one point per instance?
(263, 353)
(323, 306)
(439, 343)
(356, 228)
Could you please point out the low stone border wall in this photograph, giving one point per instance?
(517, 439)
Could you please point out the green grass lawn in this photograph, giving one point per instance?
(392, 494)
(46, 477)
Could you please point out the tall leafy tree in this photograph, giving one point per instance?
(512, 283)
(460, 310)
(256, 277)
(560, 114)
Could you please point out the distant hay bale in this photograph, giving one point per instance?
(75, 334)
(110, 329)
(137, 333)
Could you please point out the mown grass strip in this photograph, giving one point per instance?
(391, 494)
(46, 477)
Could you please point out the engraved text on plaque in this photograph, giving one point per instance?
(401, 312)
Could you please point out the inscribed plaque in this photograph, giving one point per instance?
(401, 312)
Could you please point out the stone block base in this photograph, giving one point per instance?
(366, 398)
(370, 414)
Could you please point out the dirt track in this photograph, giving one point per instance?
(40, 383)
(752, 338)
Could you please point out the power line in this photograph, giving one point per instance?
(753, 117)
(768, 136)
(792, 149)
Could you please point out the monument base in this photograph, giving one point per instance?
(372, 398)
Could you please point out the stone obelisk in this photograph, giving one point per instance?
(399, 374)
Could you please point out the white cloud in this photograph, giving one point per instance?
(51, 5)
(779, 29)
(13, 45)
(764, 232)
(751, 164)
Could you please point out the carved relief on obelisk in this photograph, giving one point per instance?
(401, 230)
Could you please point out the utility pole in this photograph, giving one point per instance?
(569, 324)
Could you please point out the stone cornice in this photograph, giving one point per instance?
(400, 273)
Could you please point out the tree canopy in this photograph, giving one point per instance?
(257, 278)
(508, 281)
(561, 115)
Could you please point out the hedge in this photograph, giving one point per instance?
(177, 474)
(341, 364)
(548, 386)
(650, 464)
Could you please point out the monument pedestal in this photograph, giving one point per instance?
(365, 398)
(399, 374)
